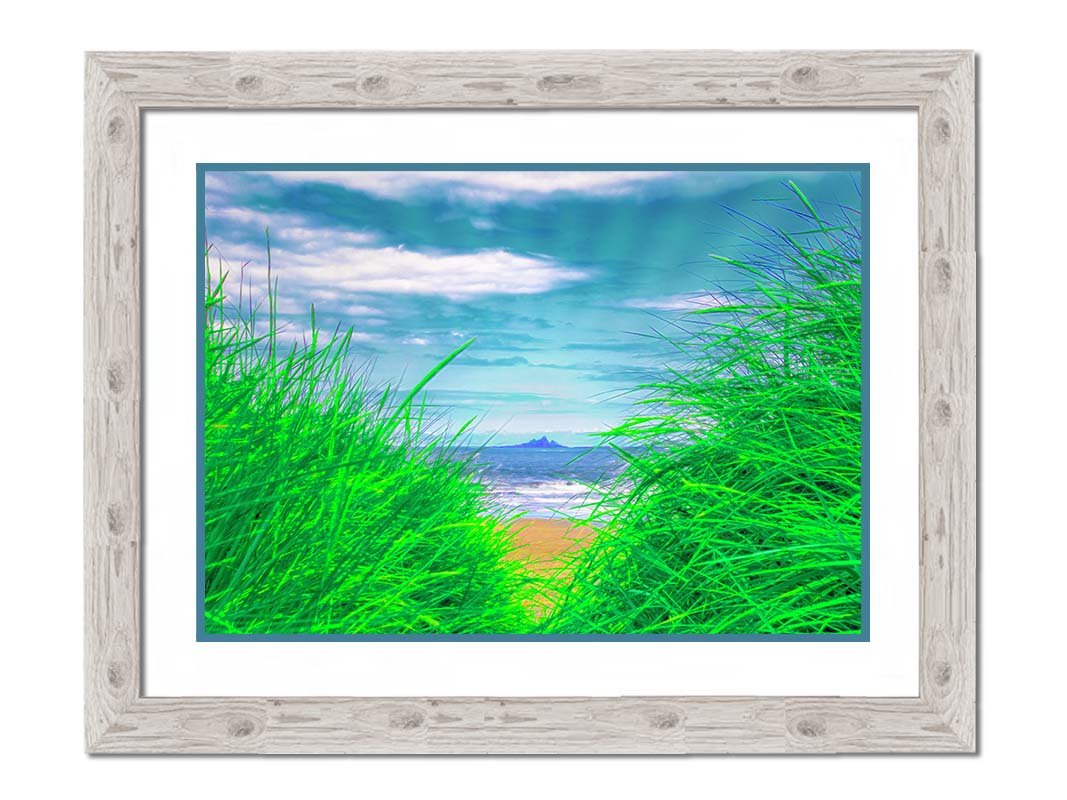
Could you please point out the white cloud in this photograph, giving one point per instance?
(355, 237)
(302, 234)
(288, 332)
(283, 304)
(359, 336)
(285, 226)
(292, 332)
(339, 271)
(491, 187)
(360, 311)
(418, 341)
(250, 216)
(681, 302)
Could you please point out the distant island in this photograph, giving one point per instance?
(540, 444)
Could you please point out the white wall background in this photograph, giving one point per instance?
(1022, 441)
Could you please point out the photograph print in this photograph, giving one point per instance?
(532, 401)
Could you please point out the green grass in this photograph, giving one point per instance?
(336, 506)
(739, 510)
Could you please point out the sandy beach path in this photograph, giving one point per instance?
(542, 542)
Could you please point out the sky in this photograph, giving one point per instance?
(561, 278)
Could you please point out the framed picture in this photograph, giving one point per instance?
(643, 425)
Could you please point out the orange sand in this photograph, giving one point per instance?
(542, 542)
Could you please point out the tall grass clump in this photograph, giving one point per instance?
(739, 509)
(334, 506)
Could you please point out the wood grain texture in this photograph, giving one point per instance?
(604, 79)
(529, 725)
(948, 401)
(939, 84)
(112, 334)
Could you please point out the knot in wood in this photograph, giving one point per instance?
(664, 719)
(117, 674)
(406, 718)
(942, 276)
(811, 727)
(941, 412)
(116, 377)
(376, 84)
(557, 83)
(942, 130)
(240, 727)
(248, 84)
(942, 673)
(116, 519)
(116, 130)
(806, 76)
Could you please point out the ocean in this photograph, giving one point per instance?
(547, 482)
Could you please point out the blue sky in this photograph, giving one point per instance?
(561, 277)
